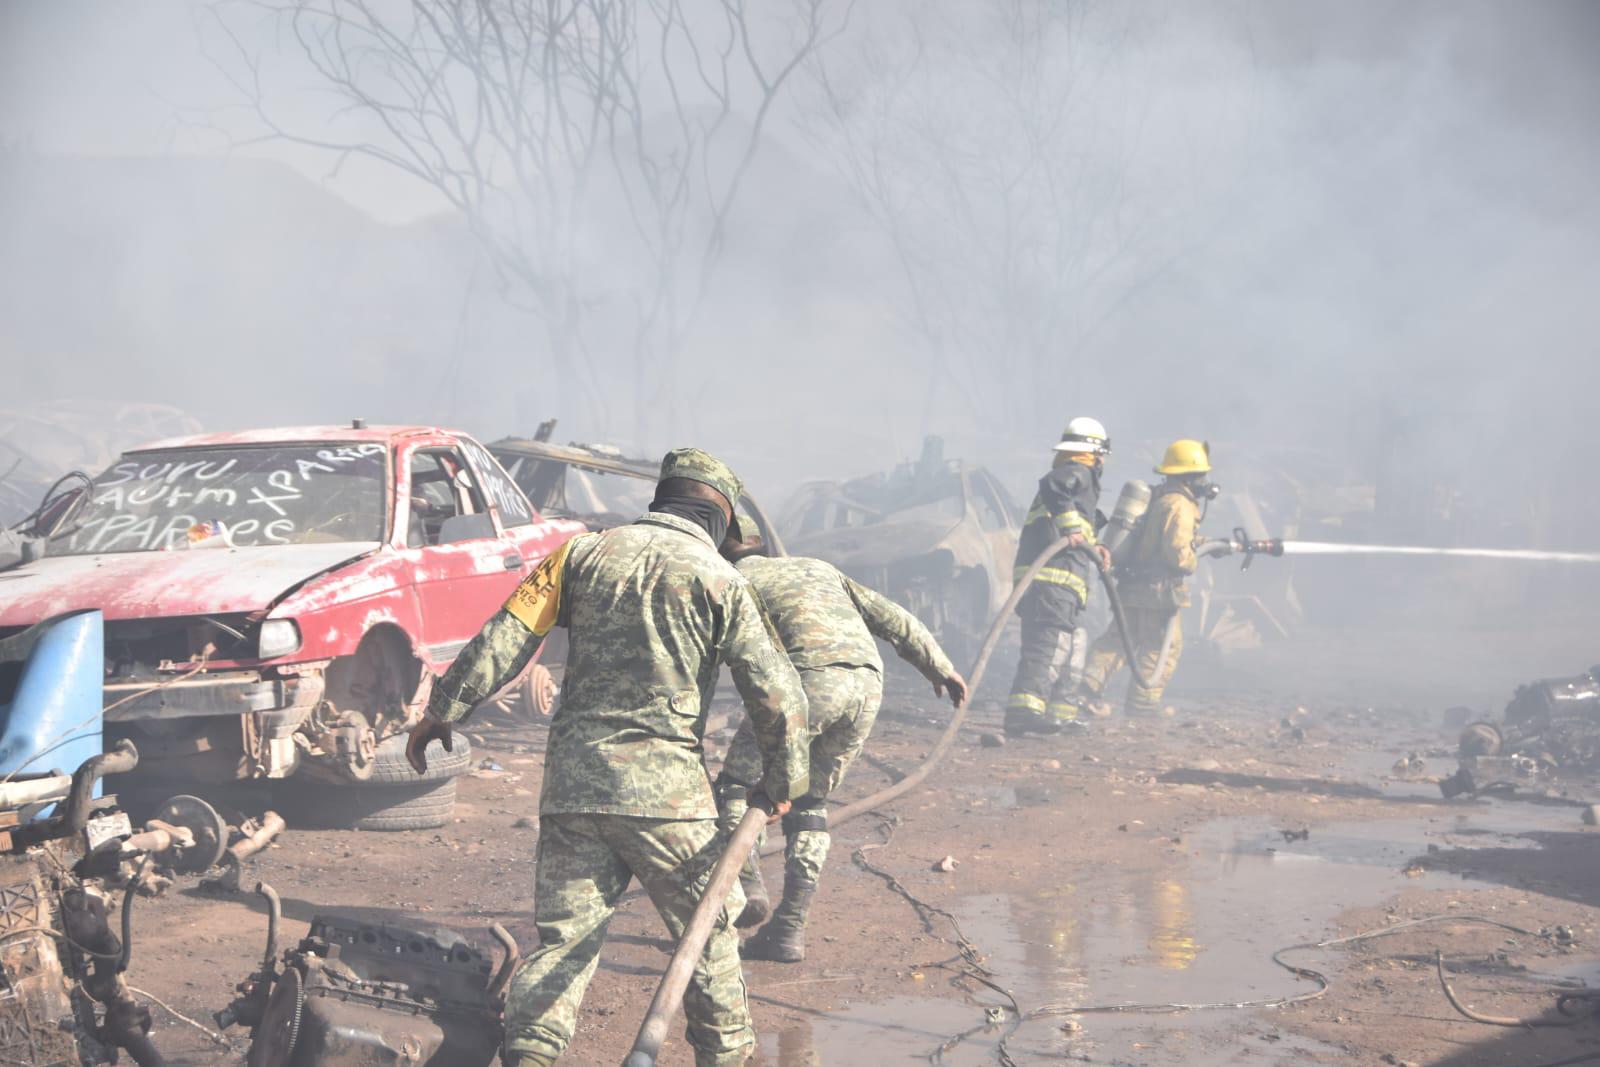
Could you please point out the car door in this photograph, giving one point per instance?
(462, 569)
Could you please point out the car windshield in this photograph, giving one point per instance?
(259, 495)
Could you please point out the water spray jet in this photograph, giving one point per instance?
(1333, 548)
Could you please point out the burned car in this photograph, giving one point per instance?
(278, 602)
(938, 536)
(596, 484)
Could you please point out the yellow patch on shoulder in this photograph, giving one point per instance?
(537, 599)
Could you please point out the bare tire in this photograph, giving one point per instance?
(390, 766)
(424, 806)
(402, 808)
(394, 798)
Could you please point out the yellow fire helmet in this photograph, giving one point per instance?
(1186, 457)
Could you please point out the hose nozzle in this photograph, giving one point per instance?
(1270, 546)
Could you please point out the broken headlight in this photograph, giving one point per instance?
(277, 637)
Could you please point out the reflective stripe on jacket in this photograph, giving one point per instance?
(1065, 503)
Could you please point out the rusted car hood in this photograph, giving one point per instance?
(139, 585)
(875, 545)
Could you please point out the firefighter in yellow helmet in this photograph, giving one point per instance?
(1153, 569)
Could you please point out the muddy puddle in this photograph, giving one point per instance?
(1199, 926)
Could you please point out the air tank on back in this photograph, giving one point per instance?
(1132, 503)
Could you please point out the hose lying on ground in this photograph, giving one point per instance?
(1565, 1005)
(940, 747)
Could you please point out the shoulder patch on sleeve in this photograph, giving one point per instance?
(537, 599)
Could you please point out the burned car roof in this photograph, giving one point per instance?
(543, 480)
(589, 457)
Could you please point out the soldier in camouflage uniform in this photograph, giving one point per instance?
(652, 611)
(826, 622)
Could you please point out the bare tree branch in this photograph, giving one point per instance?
(590, 145)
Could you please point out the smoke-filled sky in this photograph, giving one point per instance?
(1358, 231)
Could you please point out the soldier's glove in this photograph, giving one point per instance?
(955, 686)
(777, 809)
(426, 731)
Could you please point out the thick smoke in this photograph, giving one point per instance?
(1370, 277)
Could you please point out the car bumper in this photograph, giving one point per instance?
(211, 694)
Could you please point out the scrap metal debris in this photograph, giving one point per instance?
(67, 1001)
(1551, 728)
(359, 991)
(936, 535)
(251, 837)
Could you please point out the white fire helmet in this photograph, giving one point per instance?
(1084, 434)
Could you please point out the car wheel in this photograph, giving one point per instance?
(538, 690)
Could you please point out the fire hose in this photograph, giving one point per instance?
(669, 994)
(946, 739)
(1237, 543)
(1151, 680)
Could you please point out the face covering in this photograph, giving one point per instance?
(706, 514)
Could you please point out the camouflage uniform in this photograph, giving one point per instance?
(652, 611)
(1042, 693)
(826, 622)
(1152, 583)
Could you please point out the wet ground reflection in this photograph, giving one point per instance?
(1200, 928)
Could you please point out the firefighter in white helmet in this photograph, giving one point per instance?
(1042, 698)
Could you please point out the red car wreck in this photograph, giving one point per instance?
(277, 602)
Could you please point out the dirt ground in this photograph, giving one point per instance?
(1147, 864)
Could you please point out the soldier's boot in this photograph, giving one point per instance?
(783, 939)
(757, 904)
(806, 840)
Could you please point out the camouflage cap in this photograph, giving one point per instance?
(703, 467)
